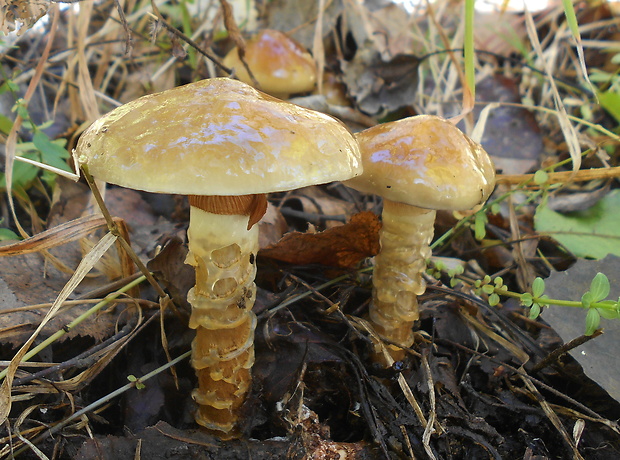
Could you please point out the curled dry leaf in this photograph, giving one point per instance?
(342, 246)
(21, 15)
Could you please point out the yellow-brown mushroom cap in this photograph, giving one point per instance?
(424, 161)
(280, 64)
(217, 137)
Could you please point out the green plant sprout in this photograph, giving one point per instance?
(136, 381)
(594, 300)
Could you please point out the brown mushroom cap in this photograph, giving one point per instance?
(424, 161)
(279, 64)
(217, 137)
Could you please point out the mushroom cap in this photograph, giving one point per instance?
(424, 161)
(279, 63)
(217, 137)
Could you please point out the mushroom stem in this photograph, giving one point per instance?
(223, 250)
(397, 278)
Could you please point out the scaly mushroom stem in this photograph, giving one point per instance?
(223, 250)
(397, 277)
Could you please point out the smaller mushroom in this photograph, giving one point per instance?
(280, 65)
(418, 165)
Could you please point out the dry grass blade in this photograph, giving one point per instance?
(552, 416)
(86, 91)
(515, 350)
(571, 19)
(318, 50)
(567, 128)
(11, 142)
(56, 236)
(402, 382)
(23, 417)
(81, 271)
(429, 430)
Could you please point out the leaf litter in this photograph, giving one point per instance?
(477, 383)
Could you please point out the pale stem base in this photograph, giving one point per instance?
(397, 277)
(223, 252)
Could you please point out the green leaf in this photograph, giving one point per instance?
(586, 299)
(480, 223)
(488, 289)
(52, 152)
(593, 320)
(534, 311)
(599, 287)
(6, 234)
(543, 300)
(9, 85)
(21, 109)
(610, 101)
(592, 233)
(23, 175)
(5, 124)
(608, 314)
(538, 287)
(526, 299)
(493, 299)
(540, 177)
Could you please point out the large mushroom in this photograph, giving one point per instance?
(418, 165)
(225, 145)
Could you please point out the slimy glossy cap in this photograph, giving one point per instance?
(424, 161)
(280, 64)
(217, 137)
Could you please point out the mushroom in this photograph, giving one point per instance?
(418, 165)
(280, 65)
(225, 145)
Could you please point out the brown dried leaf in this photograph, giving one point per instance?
(170, 268)
(64, 233)
(21, 15)
(318, 206)
(342, 246)
(23, 284)
(377, 84)
(272, 226)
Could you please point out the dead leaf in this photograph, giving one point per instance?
(170, 268)
(271, 227)
(297, 19)
(318, 207)
(21, 15)
(598, 357)
(377, 84)
(511, 134)
(342, 246)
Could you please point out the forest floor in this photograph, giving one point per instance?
(95, 359)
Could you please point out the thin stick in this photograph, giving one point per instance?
(562, 176)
